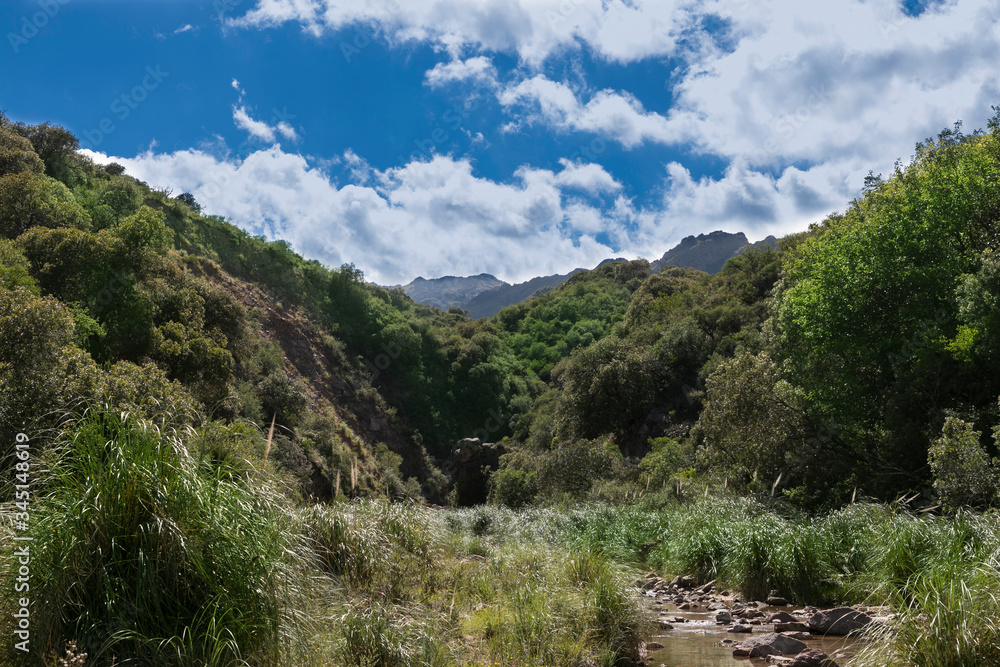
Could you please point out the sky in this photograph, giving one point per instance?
(512, 137)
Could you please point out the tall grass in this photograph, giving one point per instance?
(144, 554)
(139, 553)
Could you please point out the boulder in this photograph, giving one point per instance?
(685, 581)
(775, 600)
(772, 643)
(838, 622)
(740, 629)
(724, 617)
(794, 626)
(781, 617)
(812, 658)
(471, 464)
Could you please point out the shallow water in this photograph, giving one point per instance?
(695, 643)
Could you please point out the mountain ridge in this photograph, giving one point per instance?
(485, 295)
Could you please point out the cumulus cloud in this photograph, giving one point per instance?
(616, 115)
(424, 218)
(256, 128)
(476, 70)
(259, 129)
(620, 30)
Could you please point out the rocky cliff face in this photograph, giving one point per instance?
(705, 252)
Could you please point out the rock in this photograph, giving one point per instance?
(812, 658)
(707, 588)
(779, 660)
(685, 581)
(781, 617)
(716, 606)
(838, 622)
(801, 636)
(740, 629)
(654, 646)
(678, 619)
(776, 600)
(794, 626)
(724, 617)
(663, 625)
(684, 606)
(473, 461)
(762, 646)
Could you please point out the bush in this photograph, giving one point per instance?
(121, 196)
(143, 558)
(513, 488)
(28, 200)
(963, 473)
(17, 155)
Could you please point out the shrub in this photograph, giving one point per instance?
(513, 488)
(17, 155)
(29, 199)
(144, 557)
(963, 473)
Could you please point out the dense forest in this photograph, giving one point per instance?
(175, 375)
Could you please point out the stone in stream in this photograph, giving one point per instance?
(838, 622)
(781, 617)
(772, 643)
(740, 629)
(793, 626)
(775, 600)
(724, 617)
(812, 658)
(663, 625)
(801, 636)
(653, 646)
(685, 581)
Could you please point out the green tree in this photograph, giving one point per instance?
(28, 200)
(121, 196)
(17, 154)
(54, 145)
(610, 382)
(868, 308)
(144, 232)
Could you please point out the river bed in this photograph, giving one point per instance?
(695, 643)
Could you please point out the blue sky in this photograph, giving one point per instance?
(515, 137)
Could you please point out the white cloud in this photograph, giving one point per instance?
(424, 218)
(620, 30)
(478, 70)
(185, 28)
(256, 128)
(619, 116)
(236, 85)
(261, 130)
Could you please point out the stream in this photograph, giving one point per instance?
(695, 643)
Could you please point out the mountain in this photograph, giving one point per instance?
(485, 295)
(706, 252)
(450, 291)
(492, 301)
